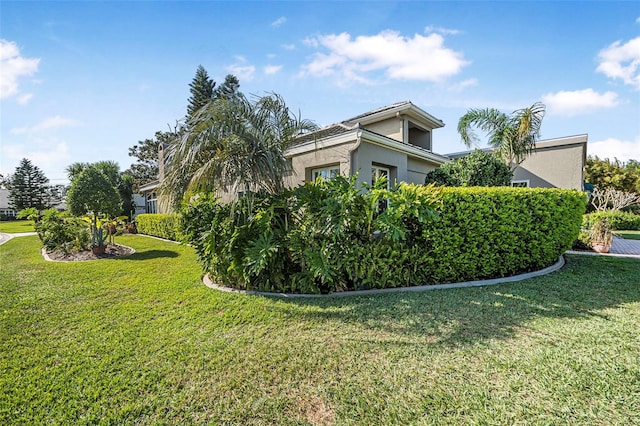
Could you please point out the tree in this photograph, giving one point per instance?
(122, 182)
(513, 136)
(92, 192)
(613, 174)
(28, 187)
(235, 145)
(202, 91)
(480, 168)
(146, 169)
(229, 89)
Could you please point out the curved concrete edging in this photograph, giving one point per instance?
(480, 283)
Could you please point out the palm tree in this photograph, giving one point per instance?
(234, 145)
(513, 136)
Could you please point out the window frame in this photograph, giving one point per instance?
(526, 182)
(317, 172)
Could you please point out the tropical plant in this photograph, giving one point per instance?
(93, 192)
(514, 136)
(233, 145)
(61, 231)
(613, 199)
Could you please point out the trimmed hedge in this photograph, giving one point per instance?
(497, 232)
(329, 236)
(160, 225)
(618, 220)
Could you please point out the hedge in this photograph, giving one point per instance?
(330, 236)
(618, 220)
(160, 225)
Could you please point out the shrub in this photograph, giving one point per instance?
(160, 225)
(479, 168)
(329, 236)
(618, 220)
(61, 231)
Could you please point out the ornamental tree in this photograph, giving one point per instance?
(93, 193)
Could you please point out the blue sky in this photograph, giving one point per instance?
(84, 81)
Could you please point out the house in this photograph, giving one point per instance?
(555, 163)
(6, 210)
(396, 142)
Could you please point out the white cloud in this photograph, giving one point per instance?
(281, 20)
(47, 155)
(272, 69)
(441, 30)
(13, 67)
(47, 124)
(406, 58)
(622, 61)
(288, 46)
(243, 72)
(579, 101)
(459, 87)
(24, 98)
(614, 148)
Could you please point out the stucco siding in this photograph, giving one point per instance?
(554, 167)
(417, 170)
(304, 163)
(391, 128)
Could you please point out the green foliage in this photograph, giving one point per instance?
(61, 231)
(93, 191)
(514, 136)
(479, 168)
(613, 174)
(28, 187)
(330, 235)
(160, 225)
(146, 168)
(618, 220)
(233, 145)
(202, 90)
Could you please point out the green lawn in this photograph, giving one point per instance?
(16, 226)
(140, 340)
(628, 235)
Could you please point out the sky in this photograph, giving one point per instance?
(85, 81)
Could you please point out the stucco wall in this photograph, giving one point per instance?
(417, 170)
(391, 128)
(304, 163)
(553, 167)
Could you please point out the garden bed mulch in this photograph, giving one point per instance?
(112, 250)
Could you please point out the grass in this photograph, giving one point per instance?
(628, 235)
(140, 340)
(16, 226)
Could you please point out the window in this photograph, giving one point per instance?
(325, 172)
(152, 203)
(520, 183)
(377, 172)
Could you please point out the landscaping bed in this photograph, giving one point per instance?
(111, 250)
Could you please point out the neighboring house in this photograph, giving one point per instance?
(555, 163)
(6, 211)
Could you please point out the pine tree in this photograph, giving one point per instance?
(28, 187)
(202, 90)
(229, 89)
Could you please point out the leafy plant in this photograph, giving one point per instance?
(61, 231)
